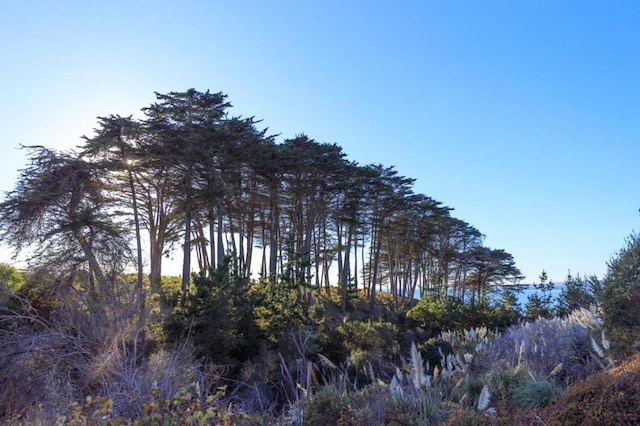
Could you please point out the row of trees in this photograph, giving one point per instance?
(188, 174)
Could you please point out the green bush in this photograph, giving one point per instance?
(437, 315)
(365, 340)
(620, 298)
(577, 293)
(374, 405)
(10, 278)
(327, 407)
(277, 309)
(216, 314)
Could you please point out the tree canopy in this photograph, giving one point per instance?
(190, 174)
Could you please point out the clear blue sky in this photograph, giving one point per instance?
(522, 115)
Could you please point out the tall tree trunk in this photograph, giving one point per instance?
(186, 260)
(212, 237)
(94, 266)
(345, 272)
(376, 262)
(139, 282)
(273, 242)
(250, 239)
(220, 229)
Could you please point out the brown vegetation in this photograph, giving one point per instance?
(610, 397)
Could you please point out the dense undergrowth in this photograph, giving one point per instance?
(231, 351)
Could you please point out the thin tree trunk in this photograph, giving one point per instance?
(220, 229)
(186, 260)
(345, 272)
(139, 282)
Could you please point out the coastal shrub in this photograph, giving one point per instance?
(329, 406)
(374, 405)
(436, 314)
(10, 278)
(277, 309)
(577, 293)
(188, 406)
(216, 316)
(620, 298)
(433, 351)
(440, 314)
(609, 397)
(368, 341)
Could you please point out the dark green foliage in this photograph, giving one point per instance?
(43, 292)
(620, 298)
(537, 307)
(216, 315)
(229, 319)
(507, 311)
(277, 310)
(366, 340)
(434, 351)
(578, 293)
(540, 303)
(328, 406)
(438, 314)
(170, 290)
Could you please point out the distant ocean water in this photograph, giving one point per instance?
(523, 291)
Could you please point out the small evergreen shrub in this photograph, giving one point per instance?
(327, 407)
(620, 297)
(216, 316)
(365, 340)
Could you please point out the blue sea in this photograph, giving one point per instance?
(523, 291)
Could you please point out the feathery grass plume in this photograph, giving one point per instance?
(484, 398)
(417, 369)
(586, 318)
(326, 362)
(468, 358)
(596, 348)
(605, 342)
(396, 384)
(557, 369)
(544, 344)
(372, 375)
(521, 351)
